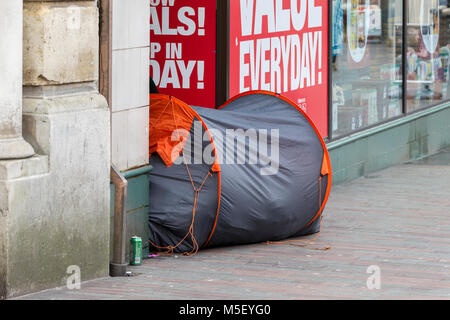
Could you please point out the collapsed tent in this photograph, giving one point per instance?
(254, 170)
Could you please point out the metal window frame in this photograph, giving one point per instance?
(404, 53)
(330, 73)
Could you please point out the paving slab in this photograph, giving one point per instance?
(396, 221)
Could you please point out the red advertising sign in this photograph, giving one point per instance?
(282, 46)
(182, 49)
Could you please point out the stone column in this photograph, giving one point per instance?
(12, 145)
(54, 206)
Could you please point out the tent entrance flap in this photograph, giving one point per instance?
(170, 122)
(254, 170)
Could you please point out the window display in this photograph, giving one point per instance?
(367, 73)
(427, 53)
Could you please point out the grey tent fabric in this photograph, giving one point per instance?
(255, 196)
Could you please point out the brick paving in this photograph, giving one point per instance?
(397, 219)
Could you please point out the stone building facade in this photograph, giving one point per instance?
(55, 138)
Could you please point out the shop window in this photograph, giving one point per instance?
(366, 63)
(427, 53)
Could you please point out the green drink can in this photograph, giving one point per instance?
(136, 251)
